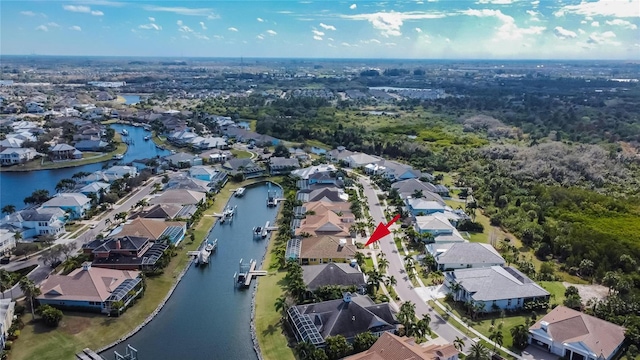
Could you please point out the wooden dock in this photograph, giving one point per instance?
(253, 272)
(247, 273)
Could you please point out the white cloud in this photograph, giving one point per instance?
(535, 3)
(563, 33)
(595, 24)
(617, 8)
(152, 19)
(203, 26)
(390, 23)
(509, 30)
(77, 8)
(75, 28)
(317, 33)
(260, 19)
(327, 27)
(583, 22)
(208, 12)
(603, 38)
(42, 28)
(495, 2)
(271, 32)
(260, 37)
(582, 32)
(183, 28)
(27, 13)
(534, 15)
(150, 26)
(622, 23)
(201, 36)
(352, 7)
(418, 30)
(232, 29)
(96, 13)
(330, 39)
(371, 41)
(390, 44)
(316, 37)
(52, 24)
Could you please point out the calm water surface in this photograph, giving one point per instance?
(15, 186)
(206, 317)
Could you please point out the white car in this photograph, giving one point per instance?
(93, 226)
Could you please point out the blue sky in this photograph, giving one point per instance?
(424, 29)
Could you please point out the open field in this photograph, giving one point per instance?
(240, 154)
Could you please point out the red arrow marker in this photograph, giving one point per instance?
(381, 231)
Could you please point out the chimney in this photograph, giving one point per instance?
(86, 266)
(544, 326)
(118, 246)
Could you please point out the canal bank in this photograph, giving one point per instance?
(206, 315)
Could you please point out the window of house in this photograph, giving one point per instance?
(509, 302)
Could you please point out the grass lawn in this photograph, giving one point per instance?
(556, 289)
(240, 154)
(80, 330)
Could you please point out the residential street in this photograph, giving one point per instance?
(404, 289)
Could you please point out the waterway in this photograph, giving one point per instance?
(130, 99)
(15, 186)
(207, 317)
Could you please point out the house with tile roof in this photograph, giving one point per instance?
(321, 250)
(494, 288)
(168, 212)
(281, 165)
(393, 347)
(326, 223)
(91, 289)
(64, 152)
(153, 229)
(349, 316)
(575, 335)
(179, 196)
(450, 256)
(339, 274)
(125, 252)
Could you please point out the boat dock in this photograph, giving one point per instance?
(202, 255)
(131, 353)
(246, 273)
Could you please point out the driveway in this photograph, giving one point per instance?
(533, 352)
(405, 289)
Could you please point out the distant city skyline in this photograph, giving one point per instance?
(480, 29)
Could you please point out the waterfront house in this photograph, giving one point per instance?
(11, 143)
(94, 188)
(75, 204)
(169, 212)
(349, 316)
(121, 171)
(37, 222)
(64, 152)
(335, 274)
(208, 142)
(91, 145)
(125, 252)
(179, 196)
(182, 137)
(183, 160)
(204, 173)
(321, 250)
(90, 289)
(573, 335)
(7, 310)
(326, 222)
(325, 178)
(216, 156)
(321, 207)
(97, 176)
(305, 173)
(154, 230)
(245, 166)
(281, 165)
(12, 156)
(393, 347)
(322, 193)
(450, 256)
(494, 288)
(7, 241)
(338, 154)
(182, 181)
(440, 228)
(407, 188)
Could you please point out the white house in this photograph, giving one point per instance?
(439, 226)
(205, 173)
(420, 206)
(493, 288)
(7, 241)
(76, 204)
(13, 156)
(464, 255)
(358, 160)
(11, 143)
(121, 171)
(392, 170)
(37, 222)
(577, 336)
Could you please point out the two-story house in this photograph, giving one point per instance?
(14, 156)
(75, 204)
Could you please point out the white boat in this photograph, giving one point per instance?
(205, 252)
(124, 132)
(257, 232)
(146, 138)
(227, 214)
(240, 192)
(118, 157)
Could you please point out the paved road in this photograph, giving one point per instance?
(404, 289)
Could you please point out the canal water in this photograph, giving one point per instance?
(207, 317)
(15, 186)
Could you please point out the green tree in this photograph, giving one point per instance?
(30, 290)
(337, 347)
(383, 264)
(50, 315)
(8, 209)
(363, 341)
(6, 281)
(407, 316)
(458, 343)
(520, 336)
(497, 338)
(478, 352)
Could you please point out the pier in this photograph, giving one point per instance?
(246, 273)
(202, 255)
(131, 353)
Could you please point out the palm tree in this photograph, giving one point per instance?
(479, 352)
(383, 264)
(423, 324)
(458, 343)
(497, 339)
(408, 259)
(8, 209)
(30, 290)
(374, 280)
(455, 290)
(391, 281)
(360, 259)
(5, 281)
(281, 304)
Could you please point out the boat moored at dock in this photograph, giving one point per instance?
(124, 132)
(202, 255)
(227, 214)
(240, 191)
